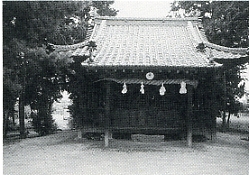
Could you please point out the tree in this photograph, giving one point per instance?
(11, 89)
(12, 79)
(29, 28)
(25, 25)
(226, 24)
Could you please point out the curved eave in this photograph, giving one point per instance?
(237, 61)
(240, 51)
(70, 47)
(222, 53)
(223, 57)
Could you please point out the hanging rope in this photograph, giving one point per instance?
(151, 82)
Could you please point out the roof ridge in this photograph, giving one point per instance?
(146, 19)
(196, 38)
(100, 30)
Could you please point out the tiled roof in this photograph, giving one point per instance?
(131, 42)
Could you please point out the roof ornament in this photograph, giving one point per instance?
(201, 47)
(92, 44)
(91, 47)
(149, 75)
(49, 47)
(211, 56)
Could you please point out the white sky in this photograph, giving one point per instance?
(146, 9)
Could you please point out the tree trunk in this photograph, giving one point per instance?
(228, 119)
(224, 121)
(13, 119)
(46, 118)
(42, 119)
(21, 117)
(5, 123)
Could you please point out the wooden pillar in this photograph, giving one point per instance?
(79, 134)
(106, 138)
(213, 129)
(189, 116)
(213, 111)
(107, 113)
(224, 102)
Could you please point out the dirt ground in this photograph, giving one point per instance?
(64, 154)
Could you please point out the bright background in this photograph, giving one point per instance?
(152, 9)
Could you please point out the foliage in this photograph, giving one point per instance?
(34, 21)
(225, 23)
(104, 9)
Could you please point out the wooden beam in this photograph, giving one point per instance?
(189, 117)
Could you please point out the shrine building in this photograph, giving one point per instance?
(150, 76)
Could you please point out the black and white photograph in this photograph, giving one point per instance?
(125, 87)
